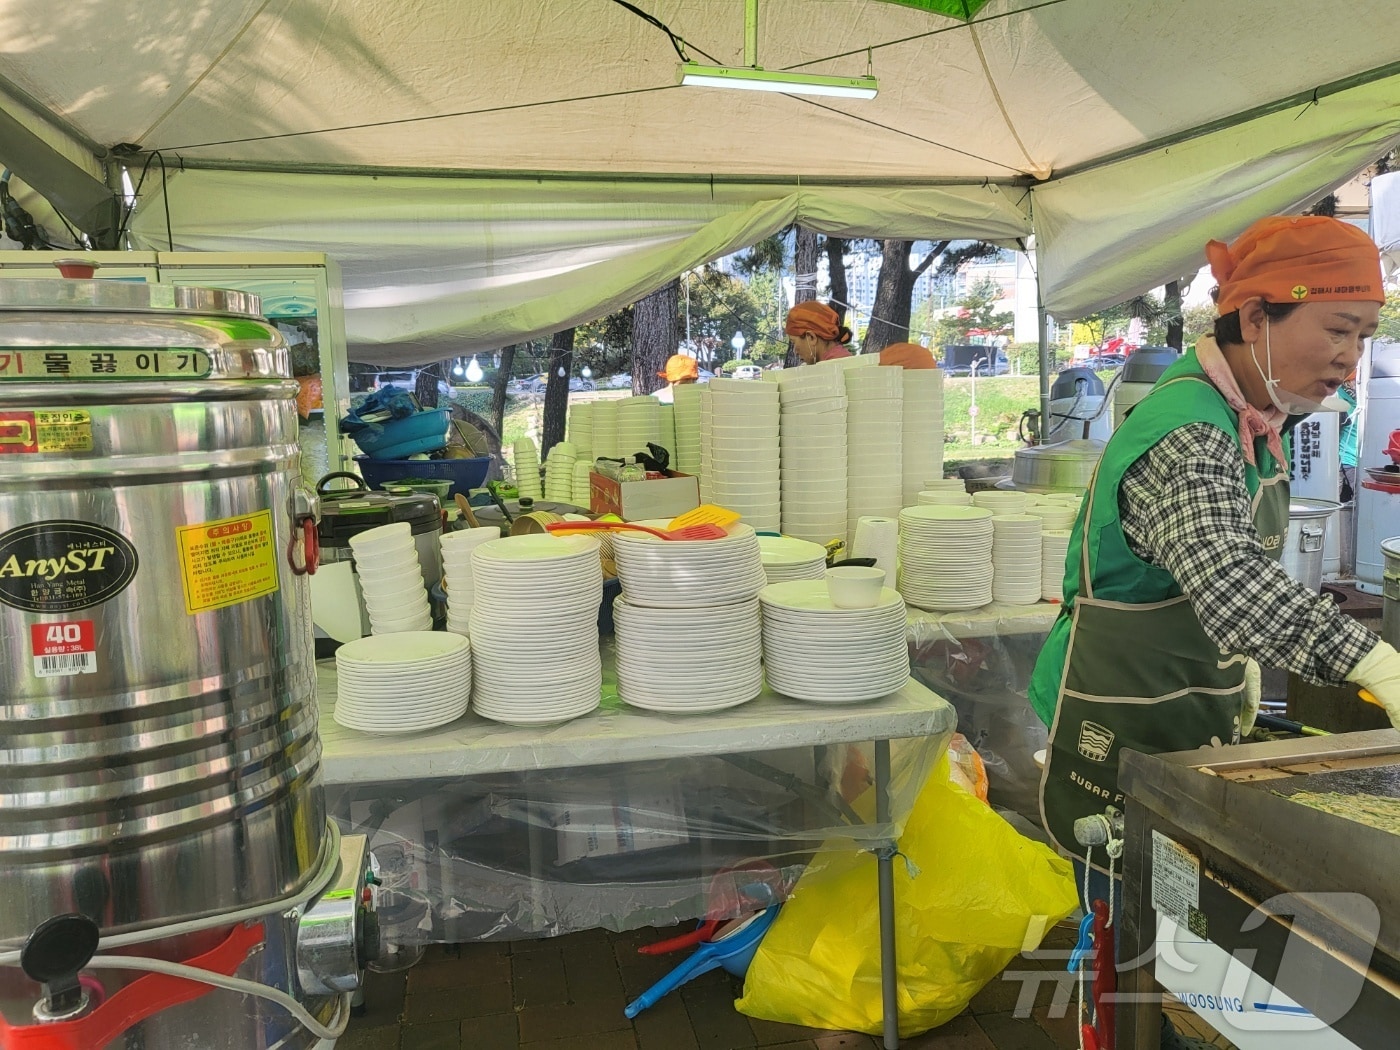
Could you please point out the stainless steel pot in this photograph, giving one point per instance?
(1390, 588)
(157, 688)
(1303, 547)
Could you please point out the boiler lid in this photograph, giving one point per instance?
(66, 296)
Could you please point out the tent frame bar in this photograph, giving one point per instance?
(100, 153)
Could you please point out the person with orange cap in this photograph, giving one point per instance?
(817, 334)
(679, 370)
(1173, 591)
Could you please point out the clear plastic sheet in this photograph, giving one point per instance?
(981, 662)
(550, 849)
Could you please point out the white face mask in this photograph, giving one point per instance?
(1285, 401)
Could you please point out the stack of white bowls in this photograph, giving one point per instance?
(817, 652)
(1002, 501)
(604, 429)
(582, 484)
(391, 579)
(813, 451)
(404, 684)
(1054, 548)
(580, 429)
(559, 472)
(923, 429)
(693, 601)
(638, 425)
(878, 538)
(874, 443)
(739, 458)
(687, 421)
(527, 469)
(457, 550)
(1055, 516)
(787, 558)
(1016, 559)
(667, 440)
(945, 557)
(534, 628)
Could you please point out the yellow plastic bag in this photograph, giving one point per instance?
(977, 890)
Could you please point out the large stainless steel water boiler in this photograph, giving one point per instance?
(159, 759)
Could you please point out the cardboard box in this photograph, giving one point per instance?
(639, 500)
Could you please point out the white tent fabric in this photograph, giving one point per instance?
(1385, 218)
(1032, 93)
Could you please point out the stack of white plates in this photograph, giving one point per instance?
(707, 419)
(1054, 517)
(580, 429)
(1054, 548)
(1002, 501)
(559, 472)
(527, 469)
(941, 484)
(667, 440)
(709, 657)
(945, 557)
(739, 456)
(404, 684)
(534, 628)
(1016, 559)
(391, 579)
(814, 651)
(814, 451)
(923, 429)
(604, 429)
(874, 443)
(943, 497)
(786, 558)
(638, 425)
(687, 421)
(679, 574)
(457, 550)
(582, 485)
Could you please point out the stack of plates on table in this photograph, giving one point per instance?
(559, 472)
(457, 550)
(527, 469)
(814, 651)
(391, 579)
(718, 662)
(1002, 501)
(813, 452)
(638, 425)
(1054, 549)
(679, 574)
(945, 557)
(582, 485)
(739, 452)
(1016, 559)
(580, 429)
(1054, 517)
(686, 454)
(404, 684)
(874, 443)
(942, 497)
(787, 558)
(604, 429)
(667, 440)
(534, 628)
(942, 484)
(923, 430)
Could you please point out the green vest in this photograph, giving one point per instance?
(1127, 663)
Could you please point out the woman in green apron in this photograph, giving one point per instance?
(1172, 584)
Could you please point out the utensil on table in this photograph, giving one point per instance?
(705, 514)
(466, 509)
(692, 532)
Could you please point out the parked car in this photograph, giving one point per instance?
(618, 382)
(407, 381)
(747, 372)
(537, 384)
(958, 360)
(1100, 362)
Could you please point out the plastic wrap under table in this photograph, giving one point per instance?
(550, 852)
(981, 663)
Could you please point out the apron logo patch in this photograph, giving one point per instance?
(1095, 741)
(1271, 543)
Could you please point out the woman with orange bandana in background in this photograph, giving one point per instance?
(817, 334)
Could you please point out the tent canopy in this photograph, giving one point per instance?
(493, 170)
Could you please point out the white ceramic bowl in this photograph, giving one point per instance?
(854, 586)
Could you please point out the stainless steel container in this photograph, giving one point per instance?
(1390, 588)
(1067, 466)
(159, 759)
(1304, 545)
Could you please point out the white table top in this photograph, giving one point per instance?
(472, 746)
(988, 620)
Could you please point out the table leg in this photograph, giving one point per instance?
(884, 863)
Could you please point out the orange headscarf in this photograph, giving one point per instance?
(907, 355)
(1296, 259)
(818, 319)
(680, 368)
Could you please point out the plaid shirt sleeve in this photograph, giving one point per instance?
(1185, 507)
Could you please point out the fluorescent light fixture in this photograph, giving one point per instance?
(745, 78)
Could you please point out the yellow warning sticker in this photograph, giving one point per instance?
(226, 562)
(69, 431)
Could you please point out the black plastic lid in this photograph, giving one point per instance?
(357, 513)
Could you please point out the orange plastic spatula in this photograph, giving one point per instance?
(705, 514)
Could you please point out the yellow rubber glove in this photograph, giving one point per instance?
(1379, 674)
(1253, 690)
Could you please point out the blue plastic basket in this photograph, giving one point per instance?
(429, 426)
(464, 474)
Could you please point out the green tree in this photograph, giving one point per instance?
(976, 312)
(1114, 321)
(1389, 328)
(1197, 321)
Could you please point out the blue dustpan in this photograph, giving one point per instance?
(734, 952)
